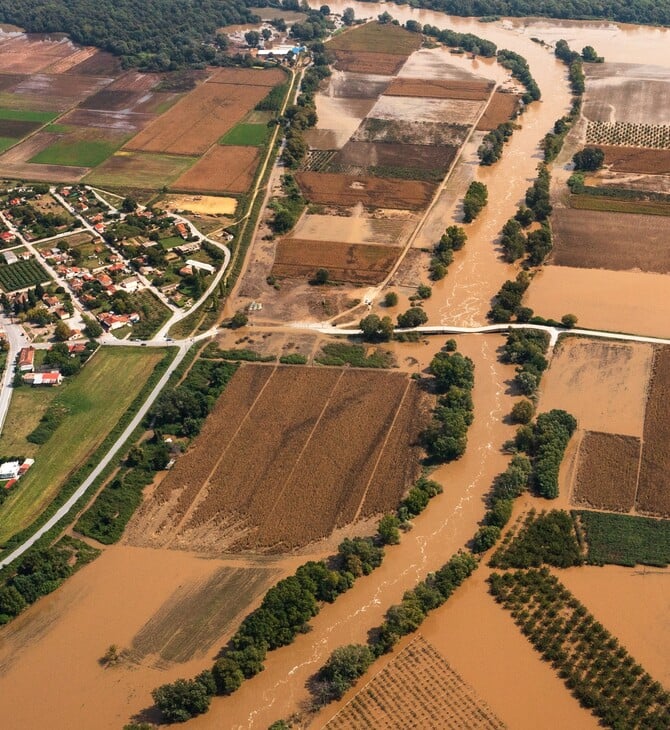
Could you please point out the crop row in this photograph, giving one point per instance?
(22, 275)
(628, 134)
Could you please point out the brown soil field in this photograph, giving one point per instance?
(362, 62)
(198, 120)
(654, 486)
(250, 493)
(122, 121)
(7, 81)
(413, 109)
(636, 100)
(248, 77)
(100, 63)
(16, 128)
(224, 169)
(357, 86)
(56, 92)
(357, 263)
(357, 228)
(603, 384)
(501, 109)
(404, 132)
(417, 689)
(620, 241)
(637, 159)
(383, 154)
(618, 301)
(607, 472)
(137, 170)
(372, 192)
(30, 54)
(438, 89)
(75, 59)
(377, 38)
(111, 100)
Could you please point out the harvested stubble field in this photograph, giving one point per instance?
(121, 121)
(418, 689)
(413, 109)
(440, 89)
(138, 170)
(248, 77)
(201, 118)
(501, 109)
(340, 443)
(357, 263)
(372, 192)
(382, 64)
(653, 495)
(637, 159)
(615, 241)
(607, 468)
(390, 156)
(407, 132)
(617, 205)
(224, 169)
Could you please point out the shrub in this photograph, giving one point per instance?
(475, 199)
(485, 538)
(523, 411)
(344, 666)
(390, 299)
(413, 317)
(182, 700)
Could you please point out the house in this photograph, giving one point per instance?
(105, 280)
(7, 237)
(187, 248)
(186, 271)
(131, 284)
(10, 257)
(52, 378)
(26, 359)
(9, 470)
(169, 288)
(76, 349)
(62, 313)
(200, 265)
(25, 466)
(182, 230)
(50, 301)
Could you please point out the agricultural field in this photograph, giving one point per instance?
(224, 169)
(84, 148)
(377, 38)
(620, 242)
(372, 192)
(637, 159)
(93, 409)
(139, 170)
(250, 494)
(200, 204)
(416, 689)
(21, 275)
(627, 134)
(201, 118)
(461, 112)
(246, 134)
(440, 89)
(354, 262)
(611, 204)
(403, 132)
(624, 539)
(607, 469)
(502, 107)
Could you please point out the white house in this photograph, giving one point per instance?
(200, 265)
(9, 470)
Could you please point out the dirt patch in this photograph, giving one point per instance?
(501, 109)
(637, 159)
(204, 204)
(417, 688)
(603, 384)
(440, 89)
(354, 262)
(619, 241)
(199, 119)
(111, 100)
(386, 229)
(191, 619)
(412, 109)
(372, 192)
(248, 77)
(607, 472)
(9, 80)
(382, 64)
(654, 487)
(415, 133)
(402, 159)
(250, 493)
(69, 62)
(226, 169)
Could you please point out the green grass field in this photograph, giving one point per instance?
(26, 115)
(171, 242)
(625, 539)
(6, 142)
(59, 128)
(252, 135)
(153, 312)
(616, 205)
(94, 408)
(77, 153)
(139, 170)
(28, 405)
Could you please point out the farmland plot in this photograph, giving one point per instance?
(226, 169)
(501, 109)
(412, 109)
(637, 159)
(440, 89)
(411, 132)
(343, 441)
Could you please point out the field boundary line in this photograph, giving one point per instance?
(308, 439)
(196, 499)
(381, 452)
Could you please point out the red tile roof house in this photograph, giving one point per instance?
(50, 379)
(7, 236)
(26, 359)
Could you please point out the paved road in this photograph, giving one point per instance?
(16, 340)
(86, 485)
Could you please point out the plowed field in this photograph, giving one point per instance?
(418, 689)
(362, 62)
(288, 455)
(654, 485)
(358, 263)
(199, 119)
(607, 471)
(248, 77)
(501, 108)
(395, 156)
(347, 190)
(226, 169)
(637, 159)
(438, 89)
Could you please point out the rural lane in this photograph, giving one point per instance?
(104, 462)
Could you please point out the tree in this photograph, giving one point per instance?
(390, 299)
(182, 700)
(523, 411)
(424, 291)
(322, 276)
(569, 320)
(388, 530)
(227, 676)
(589, 159)
(590, 56)
(239, 319)
(348, 16)
(92, 328)
(376, 329)
(62, 333)
(344, 666)
(252, 38)
(485, 538)
(129, 205)
(413, 317)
